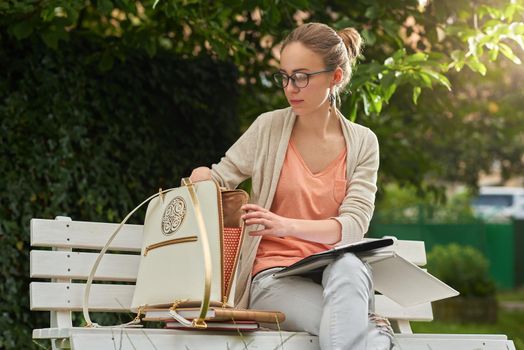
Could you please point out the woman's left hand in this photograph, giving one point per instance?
(274, 225)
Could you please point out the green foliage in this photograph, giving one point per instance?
(91, 145)
(462, 267)
(407, 204)
(413, 56)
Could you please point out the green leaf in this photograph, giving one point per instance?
(126, 5)
(366, 102)
(417, 57)
(517, 28)
(425, 79)
(53, 34)
(344, 23)
(457, 55)
(508, 52)
(104, 6)
(416, 93)
(388, 85)
(438, 77)
(377, 102)
(390, 90)
(493, 12)
(369, 37)
(509, 11)
(353, 102)
(274, 15)
(22, 30)
(494, 53)
(373, 12)
(399, 54)
(475, 65)
(299, 4)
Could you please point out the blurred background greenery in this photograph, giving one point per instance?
(104, 101)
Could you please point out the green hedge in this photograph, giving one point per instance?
(88, 144)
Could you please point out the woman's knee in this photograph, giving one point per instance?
(349, 263)
(347, 267)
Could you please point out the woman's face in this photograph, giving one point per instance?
(298, 58)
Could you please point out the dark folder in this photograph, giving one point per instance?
(314, 264)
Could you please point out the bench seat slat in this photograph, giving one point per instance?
(61, 296)
(84, 235)
(77, 265)
(162, 339)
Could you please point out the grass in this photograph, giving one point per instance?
(511, 295)
(510, 323)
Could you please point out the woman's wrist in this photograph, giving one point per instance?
(292, 227)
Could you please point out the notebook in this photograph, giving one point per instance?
(315, 263)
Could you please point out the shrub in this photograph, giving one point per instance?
(91, 144)
(464, 268)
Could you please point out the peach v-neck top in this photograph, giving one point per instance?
(301, 194)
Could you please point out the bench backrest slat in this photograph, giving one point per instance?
(77, 265)
(84, 235)
(47, 296)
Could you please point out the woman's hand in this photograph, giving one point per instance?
(274, 225)
(200, 174)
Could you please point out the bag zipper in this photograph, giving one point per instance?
(170, 242)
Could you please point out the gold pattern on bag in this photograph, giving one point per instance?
(174, 215)
(170, 242)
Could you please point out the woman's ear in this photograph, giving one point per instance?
(337, 76)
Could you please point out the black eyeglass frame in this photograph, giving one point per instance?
(292, 77)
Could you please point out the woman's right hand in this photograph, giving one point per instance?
(200, 174)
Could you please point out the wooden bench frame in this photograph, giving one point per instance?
(70, 248)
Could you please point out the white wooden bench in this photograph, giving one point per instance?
(66, 249)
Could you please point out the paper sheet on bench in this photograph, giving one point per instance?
(404, 282)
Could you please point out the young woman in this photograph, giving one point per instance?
(313, 187)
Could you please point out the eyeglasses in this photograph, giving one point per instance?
(300, 79)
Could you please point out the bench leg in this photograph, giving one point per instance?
(61, 319)
(401, 326)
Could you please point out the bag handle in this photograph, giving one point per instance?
(204, 306)
(199, 322)
(87, 290)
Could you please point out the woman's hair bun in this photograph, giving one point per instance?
(353, 42)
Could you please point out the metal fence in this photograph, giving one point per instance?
(501, 243)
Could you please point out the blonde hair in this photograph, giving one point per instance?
(337, 49)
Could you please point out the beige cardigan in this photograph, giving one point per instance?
(259, 153)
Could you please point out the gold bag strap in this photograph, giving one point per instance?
(87, 290)
(206, 251)
(199, 322)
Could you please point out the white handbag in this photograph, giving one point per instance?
(191, 243)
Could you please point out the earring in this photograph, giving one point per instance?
(332, 99)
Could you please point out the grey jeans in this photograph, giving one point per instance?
(340, 311)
